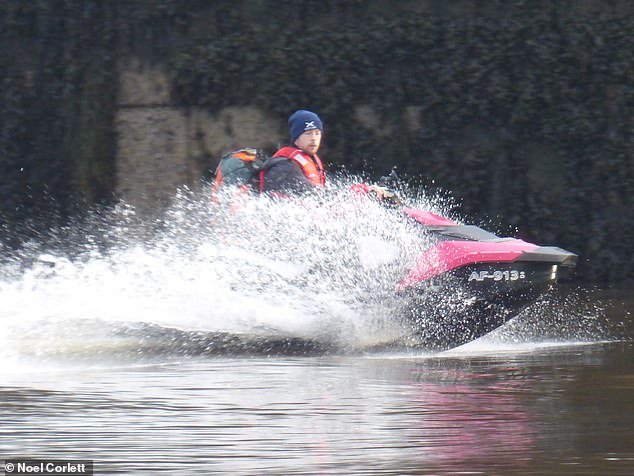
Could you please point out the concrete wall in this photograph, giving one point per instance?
(161, 147)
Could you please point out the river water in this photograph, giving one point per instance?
(180, 347)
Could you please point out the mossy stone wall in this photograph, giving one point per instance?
(524, 110)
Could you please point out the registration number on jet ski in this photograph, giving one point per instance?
(506, 275)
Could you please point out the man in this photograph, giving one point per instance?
(297, 168)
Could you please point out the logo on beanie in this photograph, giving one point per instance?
(310, 125)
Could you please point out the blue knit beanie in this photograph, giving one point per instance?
(302, 121)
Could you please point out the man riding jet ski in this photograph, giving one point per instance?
(466, 284)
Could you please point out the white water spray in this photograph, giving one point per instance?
(256, 275)
(321, 268)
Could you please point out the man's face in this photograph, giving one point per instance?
(309, 141)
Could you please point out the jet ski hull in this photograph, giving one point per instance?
(470, 281)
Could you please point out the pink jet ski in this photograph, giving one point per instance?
(470, 281)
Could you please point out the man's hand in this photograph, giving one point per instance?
(380, 191)
(385, 195)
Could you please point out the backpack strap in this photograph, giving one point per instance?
(265, 165)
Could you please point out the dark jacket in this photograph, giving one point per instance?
(293, 171)
(286, 176)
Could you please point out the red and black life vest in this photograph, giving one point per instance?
(311, 165)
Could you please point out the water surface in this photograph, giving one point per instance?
(121, 342)
(532, 408)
